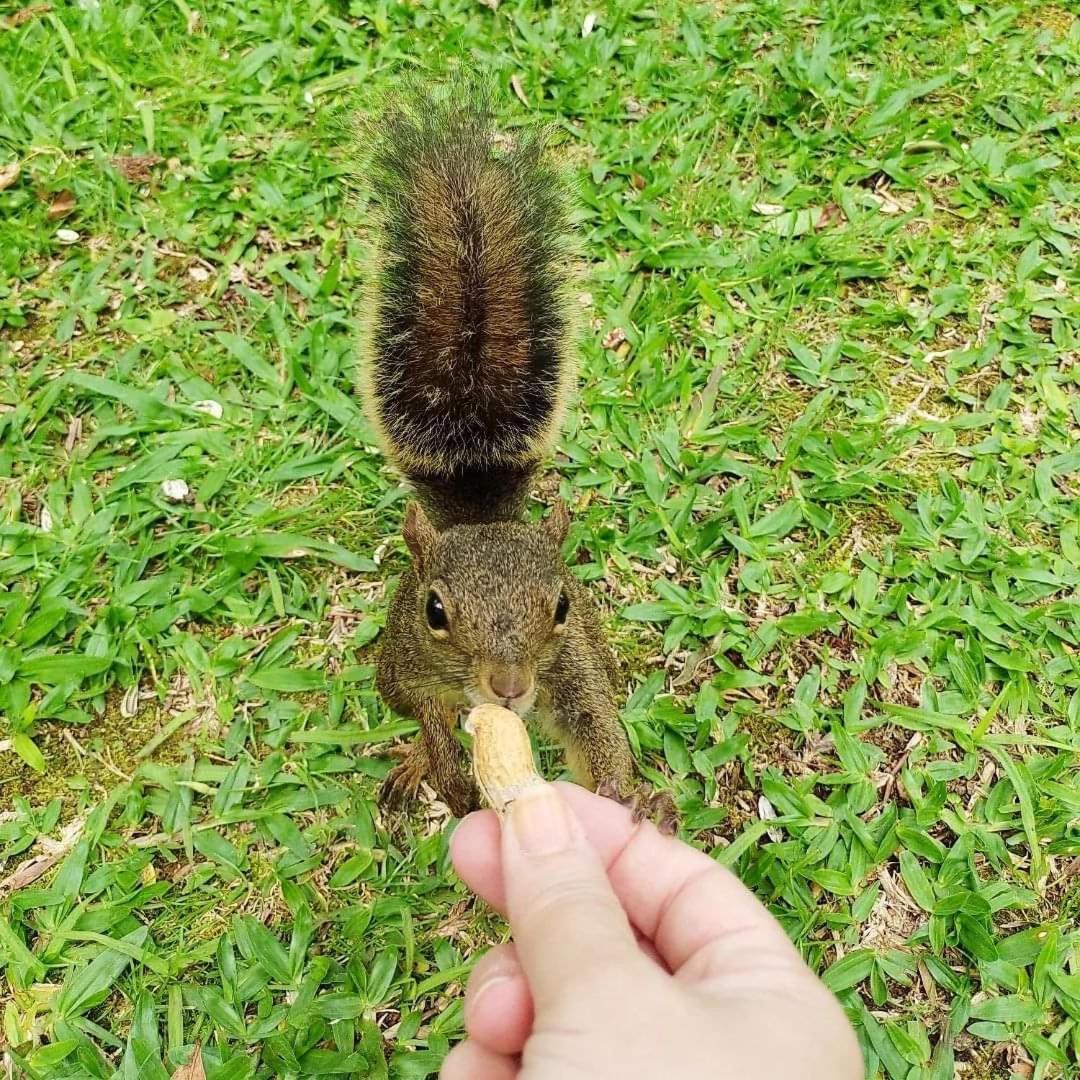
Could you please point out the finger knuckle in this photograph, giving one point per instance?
(565, 899)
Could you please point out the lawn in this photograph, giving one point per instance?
(824, 469)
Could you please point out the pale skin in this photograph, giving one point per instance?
(634, 955)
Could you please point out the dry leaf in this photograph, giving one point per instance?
(61, 204)
(830, 216)
(74, 433)
(690, 668)
(614, 338)
(129, 705)
(199, 274)
(26, 14)
(193, 1070)
(9, 173)
(887, 202)
(515, 83)
(768, 209)
(67, 236)
(137, 169)
(767, 813)
(26, 873)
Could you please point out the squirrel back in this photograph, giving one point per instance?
(467, 355)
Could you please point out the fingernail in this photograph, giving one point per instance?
(496, 978)
(541, 822)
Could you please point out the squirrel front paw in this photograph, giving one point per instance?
(401, 784)
(644, 802)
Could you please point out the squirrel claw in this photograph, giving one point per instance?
(401, 785)
(401, 788)
(644, 802)
(659, 807)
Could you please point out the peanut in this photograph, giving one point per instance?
(502, 755)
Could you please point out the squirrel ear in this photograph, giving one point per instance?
(419, 533)
(557, 523)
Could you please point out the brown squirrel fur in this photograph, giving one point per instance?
(467, 361)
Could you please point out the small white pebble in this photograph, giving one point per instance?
(175, 490)
(67, 236)
(210, 407)
(198, 273)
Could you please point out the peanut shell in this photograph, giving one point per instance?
(502, 755)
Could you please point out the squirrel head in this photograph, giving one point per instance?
(492, 604)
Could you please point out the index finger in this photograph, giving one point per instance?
(677, 897)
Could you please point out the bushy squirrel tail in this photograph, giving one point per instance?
(467, 356)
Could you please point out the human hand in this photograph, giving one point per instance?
(634, 955)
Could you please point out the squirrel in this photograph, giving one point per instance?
(467, 359)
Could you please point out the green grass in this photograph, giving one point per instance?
(825, 474)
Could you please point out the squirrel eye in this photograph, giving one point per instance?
(435, 612)
(562, 609)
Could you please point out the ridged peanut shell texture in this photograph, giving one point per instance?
(502, 755)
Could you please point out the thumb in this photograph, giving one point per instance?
(566, 921)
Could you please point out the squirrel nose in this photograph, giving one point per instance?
(509, 683)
